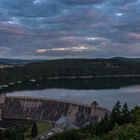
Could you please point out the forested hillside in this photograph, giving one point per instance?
(6, 61)
(64, 68)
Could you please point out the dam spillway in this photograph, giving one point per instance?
(44, 109)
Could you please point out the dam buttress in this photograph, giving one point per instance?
(44, 109)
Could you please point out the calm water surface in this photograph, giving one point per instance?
(105, 97)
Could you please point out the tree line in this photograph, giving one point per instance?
(18, 132)
(68, 68)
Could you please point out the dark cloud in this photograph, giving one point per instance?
(69, 28)
(121, 2)
(84, 2)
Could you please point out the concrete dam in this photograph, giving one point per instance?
(44, 109)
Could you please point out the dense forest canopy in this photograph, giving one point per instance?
(69, 68)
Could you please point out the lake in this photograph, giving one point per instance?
(106, 96)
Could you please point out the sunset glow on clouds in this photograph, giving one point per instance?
(79, 48)
(69, 28)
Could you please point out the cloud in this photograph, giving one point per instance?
(84, 2)
(38, 1)
(135, 36)
(4, 51)
(41, 50)
(70, 28)
(72, 49)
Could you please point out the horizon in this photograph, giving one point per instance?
(119, 57)
(57, 29)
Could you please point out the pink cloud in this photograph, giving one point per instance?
(134, 36)
(13, 30)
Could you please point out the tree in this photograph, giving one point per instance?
(1, 135)
(34, 130)
(124, 132)
(116, 113)
(125, 114)
(20, 136)
(12, 133)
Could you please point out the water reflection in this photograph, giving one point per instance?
(105, 97)
(84, 84)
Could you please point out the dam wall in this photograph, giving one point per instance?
(44, 109)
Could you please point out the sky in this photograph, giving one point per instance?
(53, 29)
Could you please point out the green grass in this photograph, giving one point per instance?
(43, 127)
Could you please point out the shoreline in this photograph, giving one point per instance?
(68, 78)
(90, 77)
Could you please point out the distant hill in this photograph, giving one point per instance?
(137, 60)
(6, 61)
(70, 68)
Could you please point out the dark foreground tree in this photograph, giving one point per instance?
(20, 136)
(116, 115)
(125, 114)
(34, 130)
